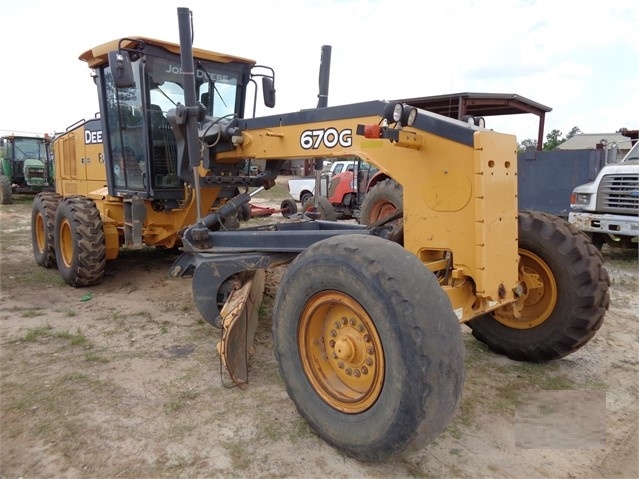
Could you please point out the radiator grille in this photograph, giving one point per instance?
(619, 194)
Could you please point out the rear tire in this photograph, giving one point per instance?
(326, 209)
(42, 226)
(373, 361)
(564, 300)
(6, 193)
(80, 248)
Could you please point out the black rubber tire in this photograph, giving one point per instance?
(80, 248)
(326, 209)
(244, 212)
(288, 207)
(42, 225)
(423, 352)
(6, 193)
(579, 281)
(305, 196)
(380, 200)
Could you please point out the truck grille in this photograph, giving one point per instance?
(619, 194)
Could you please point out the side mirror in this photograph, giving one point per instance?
(268, 89)
(121, 68)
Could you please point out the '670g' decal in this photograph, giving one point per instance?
(329, 137)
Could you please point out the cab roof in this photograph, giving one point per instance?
(98, 55)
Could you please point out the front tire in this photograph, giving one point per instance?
(565, 294)
(6, 193)
(80, 248)
(42, 226)
(368, 346)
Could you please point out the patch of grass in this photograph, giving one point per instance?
(32, 313)
(47, 331)
(35, 333)
(275, 193)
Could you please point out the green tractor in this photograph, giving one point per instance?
(25, 166)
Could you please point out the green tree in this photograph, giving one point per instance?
(526, 143)
(574, 131)
(553, 140)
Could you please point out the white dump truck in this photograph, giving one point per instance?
(607, 209)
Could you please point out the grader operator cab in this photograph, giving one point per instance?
(117, 176)
(366, 331)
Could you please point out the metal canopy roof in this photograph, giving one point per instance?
(457, 105)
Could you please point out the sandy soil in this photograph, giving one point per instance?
(122, 380)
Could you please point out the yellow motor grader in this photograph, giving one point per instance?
(366, 320)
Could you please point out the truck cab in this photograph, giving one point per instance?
(607, 209)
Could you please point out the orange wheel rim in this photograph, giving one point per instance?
(341, 352)
(40, 232)
(66, 242)
(382, 209)
(539, 297)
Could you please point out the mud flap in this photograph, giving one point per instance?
(239, 322)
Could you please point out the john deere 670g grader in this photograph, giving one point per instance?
(366, 320)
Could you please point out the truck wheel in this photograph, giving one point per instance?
(42, 225)
(288, 207)
(381, 201)
(565, 294)
(305, 196)
(6, 194)
(326, 209)
(368, 346)
(79, 241)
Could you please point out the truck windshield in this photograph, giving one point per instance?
(633, 154)
(28, 149)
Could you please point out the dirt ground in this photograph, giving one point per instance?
(122, 380)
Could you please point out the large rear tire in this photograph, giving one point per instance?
(368, 346)
(42, 226)
(80, 248)
(6, 193)
(565, 294)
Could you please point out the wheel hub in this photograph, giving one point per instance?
(341, 352)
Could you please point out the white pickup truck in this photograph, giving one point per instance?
(607, 209)
(302, 189)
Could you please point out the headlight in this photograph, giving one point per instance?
(580, 199)
(393, 112)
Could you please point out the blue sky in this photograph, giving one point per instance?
(579, 58)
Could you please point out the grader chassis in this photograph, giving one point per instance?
(366, 330)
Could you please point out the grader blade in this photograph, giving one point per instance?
(239, 322)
